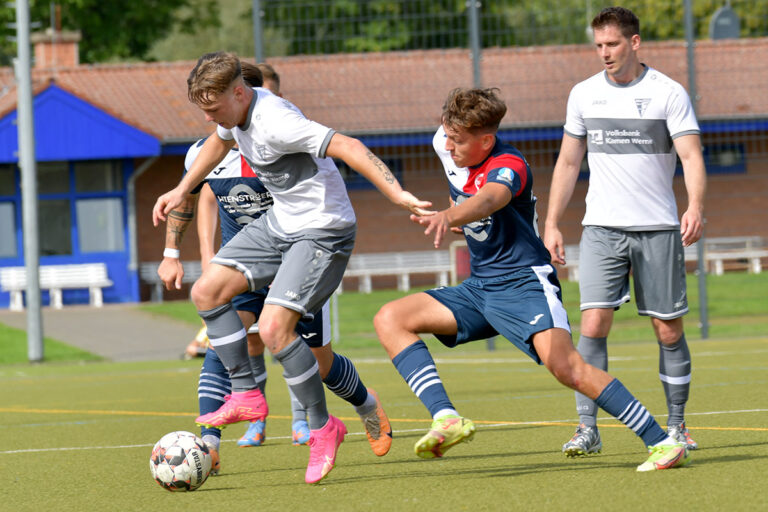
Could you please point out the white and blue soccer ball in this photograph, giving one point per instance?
(180, 461)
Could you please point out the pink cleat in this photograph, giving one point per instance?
(323, 445)
(241, 406)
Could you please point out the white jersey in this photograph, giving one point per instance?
(629, 130)
(457, 176)
(287, 152)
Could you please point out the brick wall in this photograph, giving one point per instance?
(735, 205)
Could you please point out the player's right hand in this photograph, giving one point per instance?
(171, 271)
(414, 205)
(553, 241)
(165, 203)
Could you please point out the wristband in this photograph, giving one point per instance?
(171, 253)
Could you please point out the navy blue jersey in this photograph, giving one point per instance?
(508, 239)
(240, 194)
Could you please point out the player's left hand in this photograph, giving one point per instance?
(436, 222)
(414, 204)
(691, 226)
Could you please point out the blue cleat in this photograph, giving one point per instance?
(254, 436)
(300, 433)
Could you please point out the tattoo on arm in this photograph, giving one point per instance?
(178, 222)
(383, 169)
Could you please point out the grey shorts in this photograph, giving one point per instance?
(655, 259)
(304, 270)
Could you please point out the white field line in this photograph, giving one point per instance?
(482, 425)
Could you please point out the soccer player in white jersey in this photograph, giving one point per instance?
(233, 194)
(301, 246)
(512, 290)
(632, 120)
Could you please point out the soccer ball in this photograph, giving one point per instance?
(180, 461)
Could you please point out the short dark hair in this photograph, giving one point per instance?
(211, 76)
(623, 18)
(252, 74)
(475, 110)
(269, 73)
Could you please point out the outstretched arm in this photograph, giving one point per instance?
(213, 151)
(564, 177)
(688, 148)
(171, 270)
(355, 154)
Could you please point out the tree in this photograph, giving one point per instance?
(115, 29)
(293, 27)
(664, 19)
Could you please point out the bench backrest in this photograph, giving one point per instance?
(412, 261)
(13, 278)
(57, 276)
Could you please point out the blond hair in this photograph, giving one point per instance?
(211, 76)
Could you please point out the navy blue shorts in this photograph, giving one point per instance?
(315, 333)
(516, 306)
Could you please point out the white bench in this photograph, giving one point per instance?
(745, 251)
(148, 273)
(742, 251)
(56, 278)
(401, 264)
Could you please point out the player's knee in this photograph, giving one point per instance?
(202, 295)
(385, 319)
(565, 373)
(380, 319)
(268, 331)
(669, 334)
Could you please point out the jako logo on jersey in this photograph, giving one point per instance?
(506, 175)
(292, 295)
(595, 136)
(642, 105)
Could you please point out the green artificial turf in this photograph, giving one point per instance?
(78, 437)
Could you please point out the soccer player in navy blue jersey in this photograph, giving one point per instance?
(512, 290)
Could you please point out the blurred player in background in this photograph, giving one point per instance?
(301, 245)
(633, 120)
(233, 193)
(512, 290)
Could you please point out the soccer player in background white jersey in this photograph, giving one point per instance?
(632, 121)
(301, 245)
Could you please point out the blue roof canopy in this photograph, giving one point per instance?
(68, 128)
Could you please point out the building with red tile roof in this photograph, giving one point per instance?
(390, 100)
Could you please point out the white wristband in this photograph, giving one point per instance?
(171, 253)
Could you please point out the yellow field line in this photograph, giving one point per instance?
(23, 410)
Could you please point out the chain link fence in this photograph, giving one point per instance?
(380, 70)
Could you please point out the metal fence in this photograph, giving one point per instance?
(534, 51)
(293, 27)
